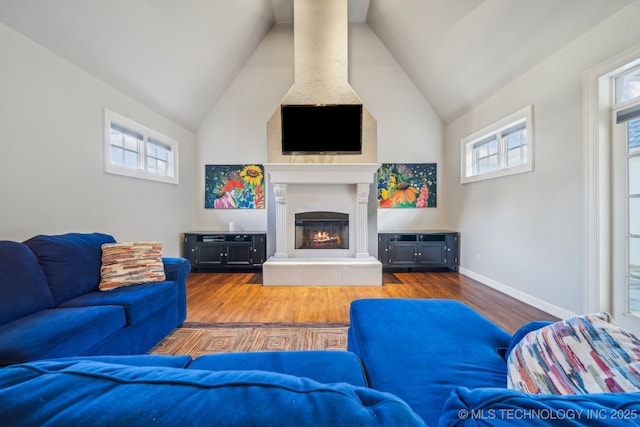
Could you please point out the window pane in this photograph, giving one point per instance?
(634, 295)
(634, 175)
(628, 86)
(131, 159)
(634, 255)
(158, 157)
(634, 215)
(131, 143)
(116, 138)
(633, 135)
(493, 147)
(124, 147)
(516, 139)
(162, 168)
(117, 155)
(493, 163)
(487, 156)
(515, 157)
(162, 154)
(483, 165)
(513, 141)
(151, 164)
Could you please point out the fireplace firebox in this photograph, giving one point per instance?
(322, 230)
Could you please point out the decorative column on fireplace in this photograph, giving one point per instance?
(362, 243)
(280, 193)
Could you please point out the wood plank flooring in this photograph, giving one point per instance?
(240, 297)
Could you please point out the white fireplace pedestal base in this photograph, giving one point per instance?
(322, 272)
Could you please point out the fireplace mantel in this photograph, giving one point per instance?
(321, 173)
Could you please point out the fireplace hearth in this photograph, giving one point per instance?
(322, 230)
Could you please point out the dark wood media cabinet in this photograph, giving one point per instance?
(225, 250)
(418, 250)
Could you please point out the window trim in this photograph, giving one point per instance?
(141, 172)
(468, 143)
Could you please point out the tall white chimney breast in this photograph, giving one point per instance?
(321, 77)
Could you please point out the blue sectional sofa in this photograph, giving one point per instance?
(450, 365)
(50, 305)
(411, 363)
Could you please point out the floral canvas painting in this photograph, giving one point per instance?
(234, 187)
(407, 185)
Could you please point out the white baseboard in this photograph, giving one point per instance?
(519, 295)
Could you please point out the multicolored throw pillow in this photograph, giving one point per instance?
(584, 354)
(125, 264)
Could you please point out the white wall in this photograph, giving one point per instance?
(409, 130)
(51, 166)
(235, 130)
(523, 233)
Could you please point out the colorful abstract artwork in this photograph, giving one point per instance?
(234, 187)
(407, 185)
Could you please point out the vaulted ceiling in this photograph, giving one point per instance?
(179, 56)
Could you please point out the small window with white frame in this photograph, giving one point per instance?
(504, 148)
(134, 150)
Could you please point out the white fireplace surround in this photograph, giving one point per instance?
(289, 266)
(284, 175)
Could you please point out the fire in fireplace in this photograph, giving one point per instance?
(322, 230)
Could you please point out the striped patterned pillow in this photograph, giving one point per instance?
(584, 354)
(125, 264)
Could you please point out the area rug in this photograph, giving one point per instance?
(197, 339)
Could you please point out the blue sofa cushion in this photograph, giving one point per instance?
(57, 332)
(71, 262)
(138, 300)
(497, 407)
(321, 366)
(23, 286)
(101, 394)
(420, 350)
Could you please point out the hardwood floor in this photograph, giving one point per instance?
(240, 297)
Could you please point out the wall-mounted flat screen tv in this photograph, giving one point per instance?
(321, 129)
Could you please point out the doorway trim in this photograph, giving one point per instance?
(597, 224)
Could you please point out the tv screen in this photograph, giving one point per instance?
(322, 129)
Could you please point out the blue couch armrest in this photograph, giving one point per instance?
(177, 269)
